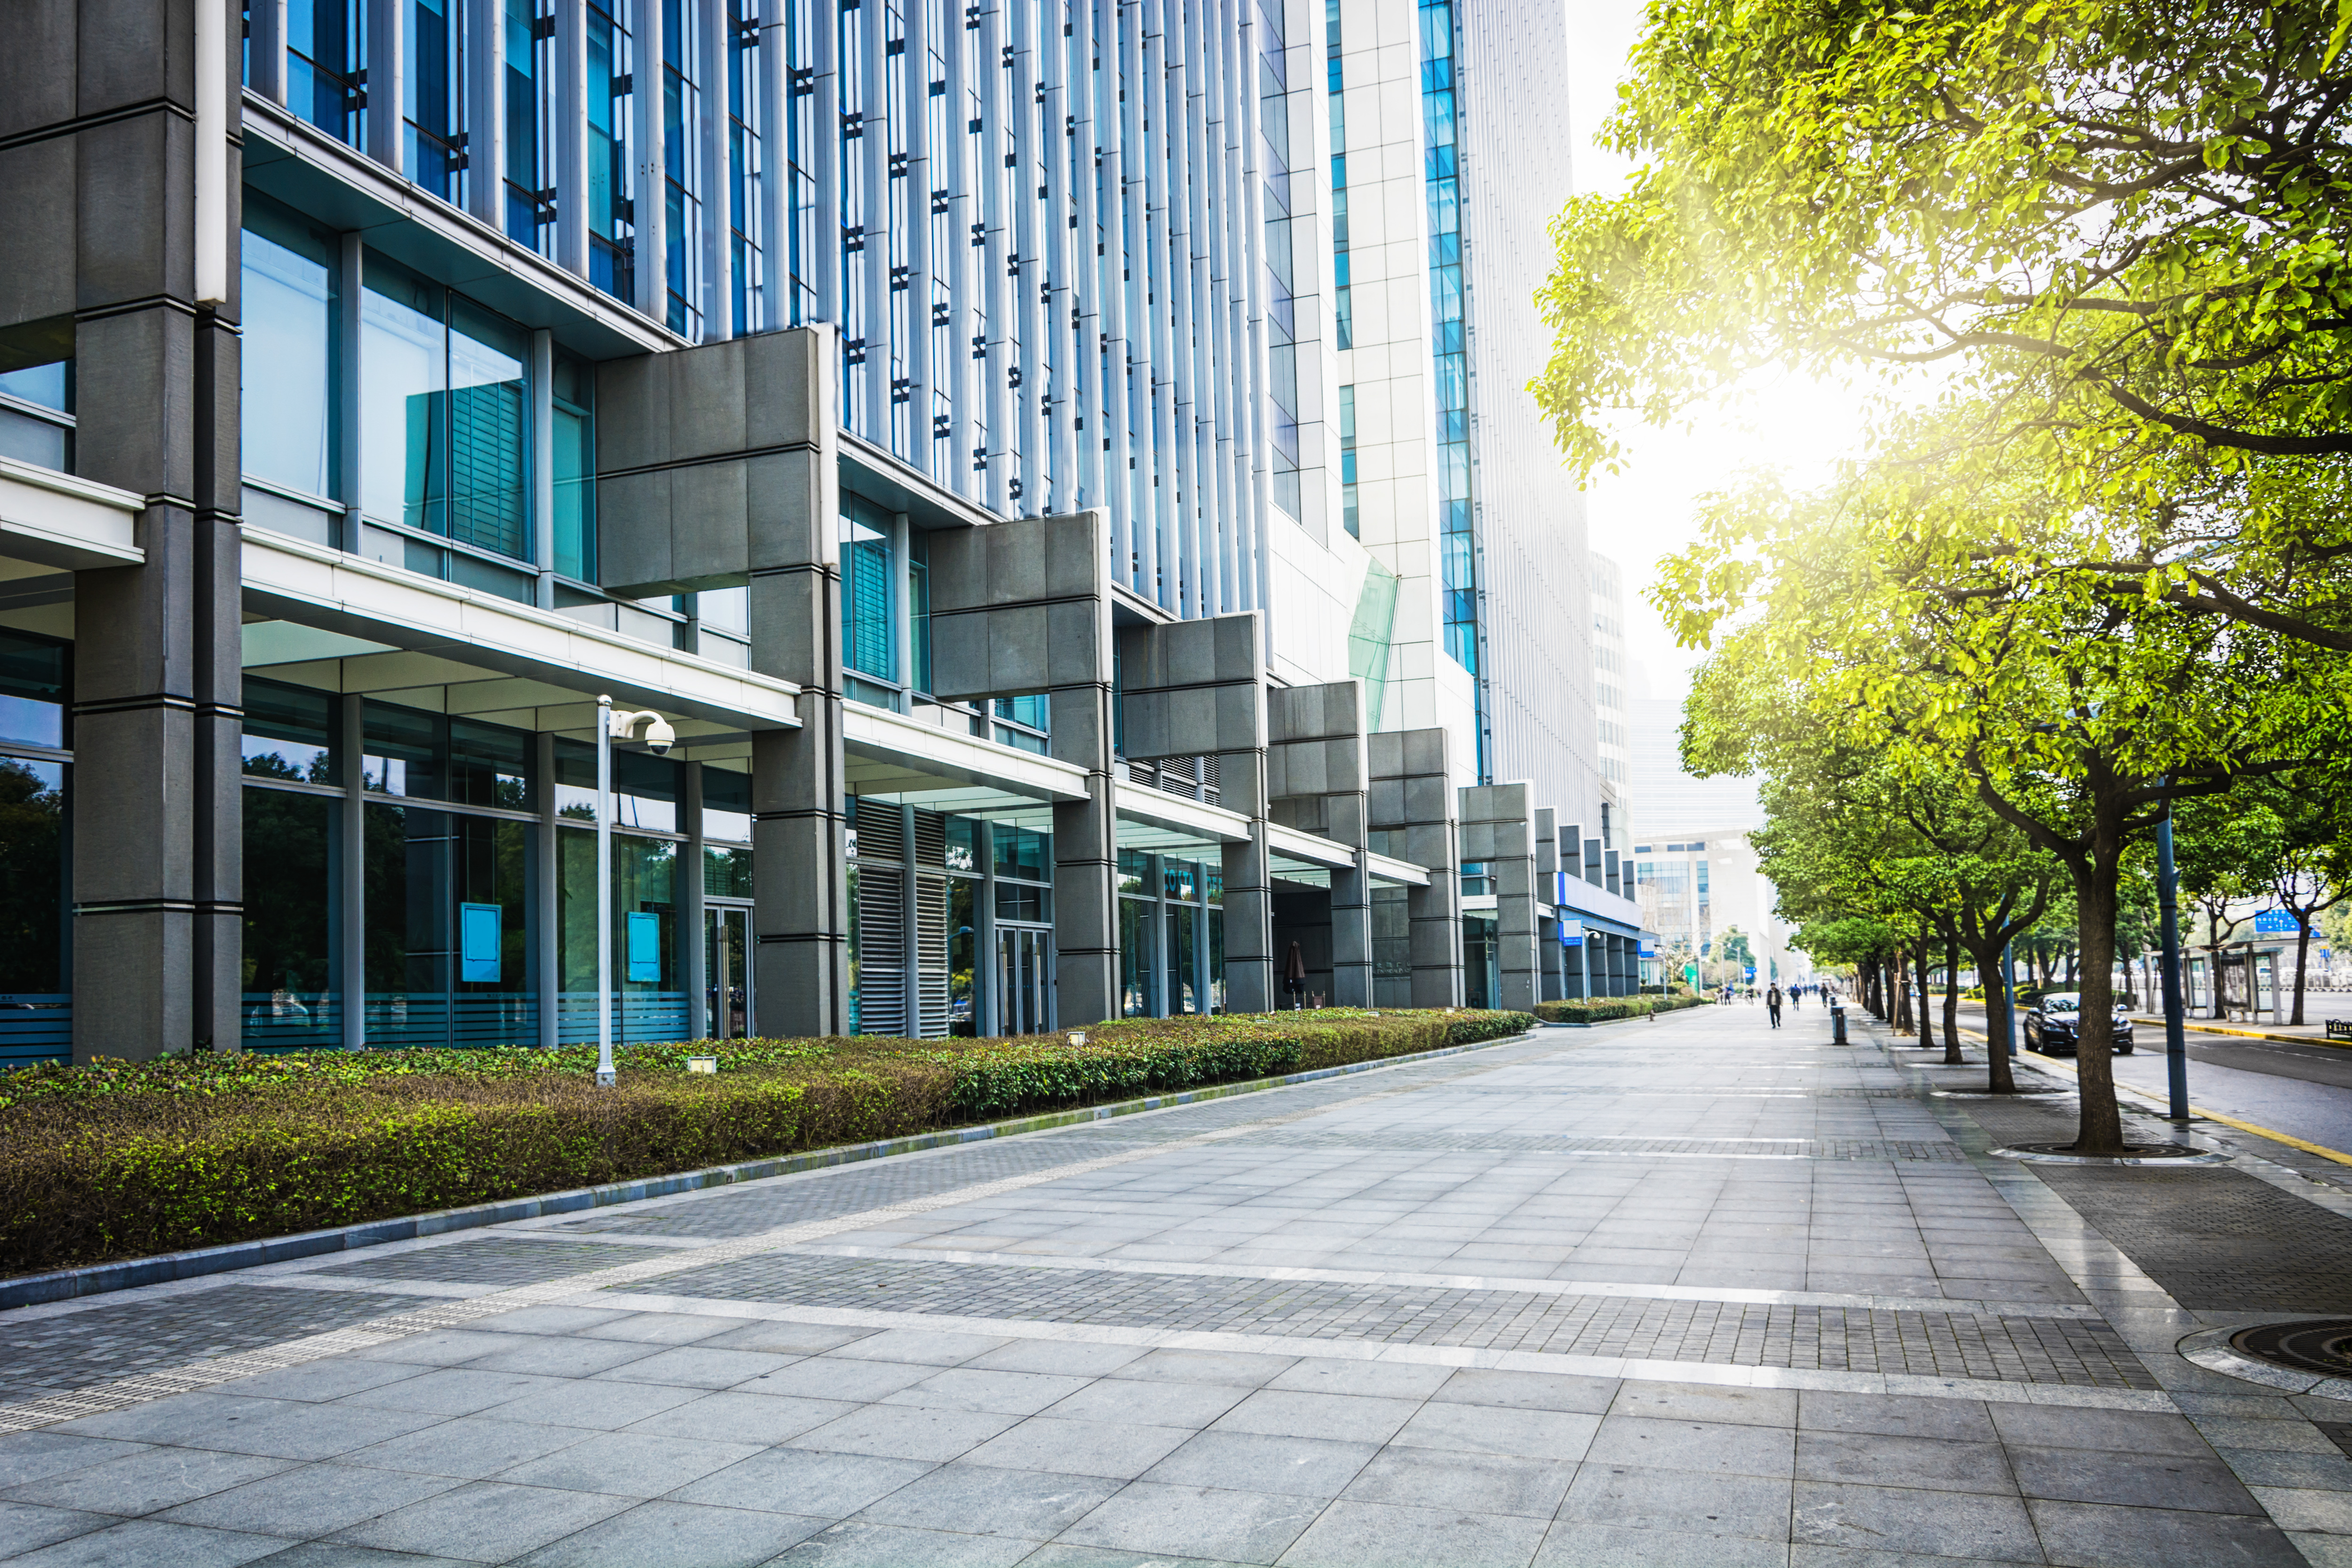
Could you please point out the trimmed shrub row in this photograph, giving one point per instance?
(1609, 1009)
(121, 1160)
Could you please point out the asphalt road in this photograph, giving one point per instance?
(2303, 1091)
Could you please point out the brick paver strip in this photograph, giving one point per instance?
(45, 1356)
(488, 1261)
(2073, 1351)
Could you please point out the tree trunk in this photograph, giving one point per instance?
(1987, 956)
(2101, 1130)
(1898, 975)
(2301, 951)
(1952, 1056)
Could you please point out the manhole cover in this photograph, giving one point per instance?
(2314, 1344)
(2133, 1154)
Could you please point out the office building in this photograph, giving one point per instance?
(1032, 452)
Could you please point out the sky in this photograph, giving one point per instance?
(1645, 512)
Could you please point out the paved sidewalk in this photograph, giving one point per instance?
(1691, 1292)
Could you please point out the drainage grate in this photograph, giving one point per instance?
(2316, 1344)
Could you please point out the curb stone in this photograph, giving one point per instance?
(99, 1279)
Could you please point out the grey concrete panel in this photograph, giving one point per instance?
(117, 1013)
(136, 51)
(36, 69)
(1014, 556)
(38, 244)
(134, 379)
(633, 540)
(1017, 649)
(709, 511)
(706, 401)
(632, 428)
(1073, 642)
(135, 211)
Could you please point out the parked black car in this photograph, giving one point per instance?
(2052, 1025)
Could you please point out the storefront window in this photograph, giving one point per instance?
(645, 787)
(575, 468)
(32, 690)
(650, 995)
(963, 949)
(288, 732)
(289, 993)
(447, 935)
(32, 822)
(868, 638)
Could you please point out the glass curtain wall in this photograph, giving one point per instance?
(1457, 542)
(292, 293)
(35, 1007)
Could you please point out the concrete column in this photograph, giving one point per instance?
(1412, 803)
(348, 435)
(693, 952)
(712, 157)
(1023, 606)
(387, 43)
(800, 884)
(1498, 829)
(1550, 957)
(650, 201)
(1250, 958)
(1086, 861)
(98, 174)
(1318, 779)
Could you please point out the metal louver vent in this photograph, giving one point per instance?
(880, 835)
(932, 954)
(881, 948)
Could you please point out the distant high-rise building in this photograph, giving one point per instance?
(1610, 670)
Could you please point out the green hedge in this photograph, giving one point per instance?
(120, 1159)
(1609, 1009)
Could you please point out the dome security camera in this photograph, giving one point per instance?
(660, 737)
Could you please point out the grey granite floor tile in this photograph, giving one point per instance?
(628, 1464)
(470, 1449)
(1117, 1449)
(2094, 1535)
(677, 1535)
(149, 1479)
(308, 1500)
(855, 1544)
(1878, 1458)
(1630, 1497)
(32, 1456)
(1477, 1483)
(1035, 1505)
(1245, 1461)
(28, 1527)
(1386, 1535)
(1178, 1520)
(798, 1480)
(487, 1521)
(1895, 1519)
(152, 1543)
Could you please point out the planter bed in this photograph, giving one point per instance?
(119, 1160)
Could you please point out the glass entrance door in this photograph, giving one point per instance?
(1025, 979)
(727, 947)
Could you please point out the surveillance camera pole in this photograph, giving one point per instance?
(609, 727)
(605, 1076)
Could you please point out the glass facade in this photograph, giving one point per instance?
(1171, 947)
(291, 297)
(36, 1009)
(1442, 180)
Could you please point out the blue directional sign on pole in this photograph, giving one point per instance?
(2274, 922)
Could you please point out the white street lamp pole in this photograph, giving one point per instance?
(660, 737)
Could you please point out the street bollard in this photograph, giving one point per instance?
(1837, 1022)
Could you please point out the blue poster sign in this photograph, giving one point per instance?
(478, 943)
(1752, 974)
(1649, 947)
(2274, 922)
(644, 949)
(1571, 933)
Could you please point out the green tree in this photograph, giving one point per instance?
(2117, 225)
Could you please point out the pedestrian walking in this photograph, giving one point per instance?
(1772, 1005)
